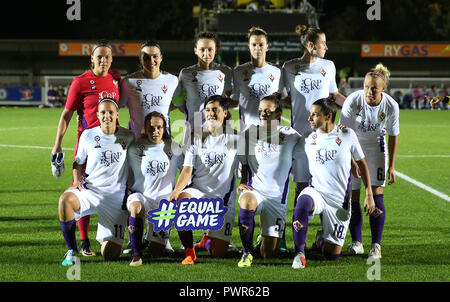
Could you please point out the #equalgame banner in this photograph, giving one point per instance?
(405, 50)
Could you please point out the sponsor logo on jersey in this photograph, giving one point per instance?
(206, 90)
(141, 149)
(138, 85)
(324, 155)
(307, 85)
(155, 167)
(367, 127)
(266, 149)
(106, 94)
(213, 158)
(92, 82)
(258, 90)
(151, 100)
(109, 157)
(97, 141)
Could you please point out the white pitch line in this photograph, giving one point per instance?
(32, 147)
(423, 186)
(424, 156)
(285, 119)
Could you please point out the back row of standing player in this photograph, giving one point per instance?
(306, 80)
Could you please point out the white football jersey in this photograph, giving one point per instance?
(250, 85)
(214, 161)
(201, 84)
(143, 95)
(307, 83)
(371, 123)
(329, 157)
(154, 168)
(270, 160)
(105, 156)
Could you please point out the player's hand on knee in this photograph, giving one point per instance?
(243, 187)
(174, 195)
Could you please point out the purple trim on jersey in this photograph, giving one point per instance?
(310, 182)
(286, 188)
(382, 144)
(226, 198)
(347, 192)
(83, 123)
(124, 201)
(250, 176)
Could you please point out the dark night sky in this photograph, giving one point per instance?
(343, 20)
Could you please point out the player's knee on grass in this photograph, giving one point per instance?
(248, 201)
(68, 203)
(269, 247)
(137, 209)
(218, 248)
(331, 251)
(111, 251)
(156, 249)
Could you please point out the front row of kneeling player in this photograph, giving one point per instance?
(266, 153)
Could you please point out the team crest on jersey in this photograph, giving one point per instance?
(382, 116)
(141, 149)
(245, 72)
(92, 82)
(297, 226)
(314, 136)
(164, 88)
(194, 74)
(220, 77)
(97, 141)
(323, 72)
(169, 155)
(93, 87)
(123, 144)
(338, 141)
(115, 83)
(271, 77)
(138, 85)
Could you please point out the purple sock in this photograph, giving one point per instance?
(68, 230)
(330, 256)
(301, 212)
(246, 229)
(377, 219)
(207, 245)
(135, 230)
(356, 221)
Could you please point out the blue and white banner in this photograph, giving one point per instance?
(18, 94)
(189, 214)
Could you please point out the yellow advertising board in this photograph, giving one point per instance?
(405, 50)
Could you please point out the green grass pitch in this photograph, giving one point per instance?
(416, 240)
